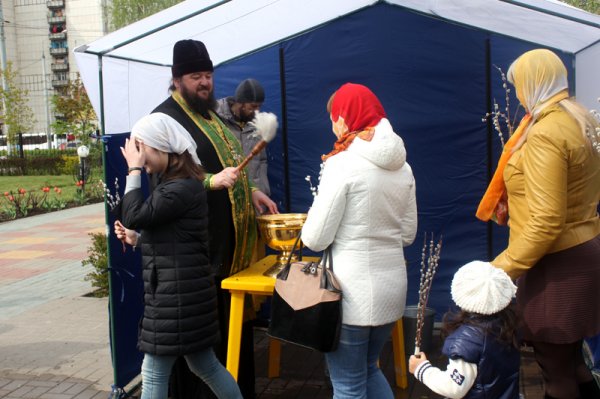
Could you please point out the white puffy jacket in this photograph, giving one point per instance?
(366, 207)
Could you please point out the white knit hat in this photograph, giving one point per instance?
(479, 287)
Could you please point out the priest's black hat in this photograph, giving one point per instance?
(190, 56)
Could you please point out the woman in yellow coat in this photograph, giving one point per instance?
(549, 179)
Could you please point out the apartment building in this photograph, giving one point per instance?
(39, 37)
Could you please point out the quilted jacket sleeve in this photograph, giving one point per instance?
(167, 202)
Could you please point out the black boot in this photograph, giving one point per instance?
(589, 390)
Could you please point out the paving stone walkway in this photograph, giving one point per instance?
(54, 340)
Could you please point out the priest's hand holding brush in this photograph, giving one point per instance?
(266, 127)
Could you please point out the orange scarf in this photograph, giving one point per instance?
(346, 139)
(497, 189)
(495, 194)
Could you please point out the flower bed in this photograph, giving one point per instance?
(20, 202)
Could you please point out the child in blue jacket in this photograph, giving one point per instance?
(481, 346)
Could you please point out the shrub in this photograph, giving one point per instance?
(98, 259)
(69, 164)
(43, 165)
(38, 165)
(49, 162)
(48, 153)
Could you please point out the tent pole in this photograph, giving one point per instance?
(284, 130)
(490, 132)
(101, 94)
(103, 137)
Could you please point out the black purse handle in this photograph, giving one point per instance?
(283, 274)
(326, 262)
(289, 259)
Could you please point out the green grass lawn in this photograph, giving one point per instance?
(62, 193)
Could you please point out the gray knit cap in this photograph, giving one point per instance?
(249, 91)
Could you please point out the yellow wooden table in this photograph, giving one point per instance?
(252, 281)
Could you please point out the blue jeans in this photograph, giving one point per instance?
(156, 370)
(353, 366)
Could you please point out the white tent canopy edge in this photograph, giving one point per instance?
(133, 63)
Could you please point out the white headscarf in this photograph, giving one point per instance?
(164, 133)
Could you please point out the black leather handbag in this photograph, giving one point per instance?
(306, 308)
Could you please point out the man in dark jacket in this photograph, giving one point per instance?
(236, 112)
(231, 197)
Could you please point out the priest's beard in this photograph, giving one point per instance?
(198, 104)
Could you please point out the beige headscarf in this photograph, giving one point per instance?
(540, 80)
(537, 76)
(164, 133)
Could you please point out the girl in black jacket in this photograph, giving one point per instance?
(180, 303)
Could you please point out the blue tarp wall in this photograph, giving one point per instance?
(125, 276)
(436, 80)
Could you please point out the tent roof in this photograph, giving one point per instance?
(231, 28)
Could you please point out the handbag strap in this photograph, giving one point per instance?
(327, 259)
(289, 259)
(326, 263)
(283, 274)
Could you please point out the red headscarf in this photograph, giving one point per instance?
(361, 112)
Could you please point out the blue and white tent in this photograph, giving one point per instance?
(431, 63)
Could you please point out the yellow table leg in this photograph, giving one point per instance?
(274, 357)
(399, 356)
(236, 317)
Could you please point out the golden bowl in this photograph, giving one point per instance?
(279, 233)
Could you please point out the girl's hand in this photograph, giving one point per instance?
(415, 361)
(124, 234)
(134, 153)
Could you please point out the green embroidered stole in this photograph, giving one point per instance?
(230, 153)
